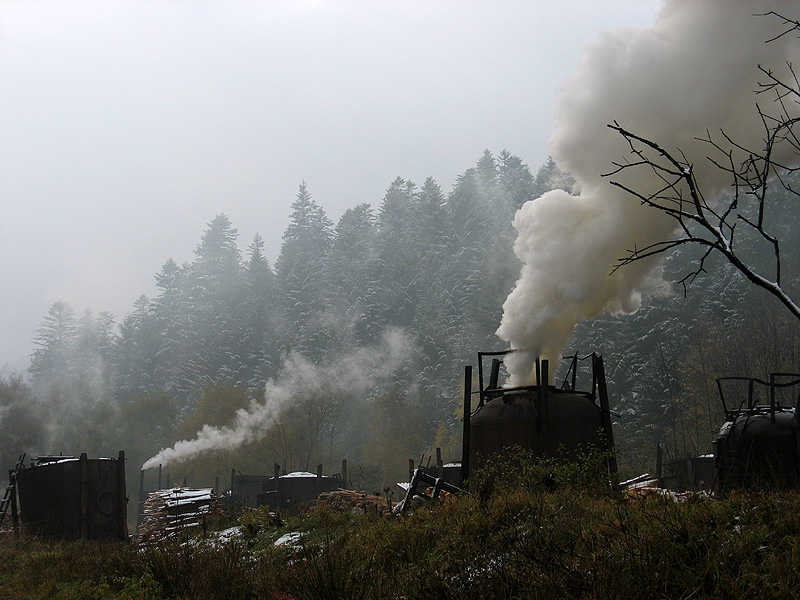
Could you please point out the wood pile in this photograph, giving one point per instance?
(645, 486)
(171, 512)
(349, 501)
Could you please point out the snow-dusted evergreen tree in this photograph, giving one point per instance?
(397, 257)
(173, 322)
(300, 279)
(138, 351)
(215, 270)
(498, 266)
(214, 287)
(54, 341)
(350, 278)
(435, 318)
(516, 180)
(550, 177)
(476, 209)
(256, 316)
(467, 228)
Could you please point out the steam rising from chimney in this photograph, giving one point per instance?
(696, 69)
(355, 374)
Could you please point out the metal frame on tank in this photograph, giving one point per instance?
(491, 390)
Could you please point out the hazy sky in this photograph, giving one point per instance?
(125, 127)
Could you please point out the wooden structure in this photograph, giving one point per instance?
(437, 485)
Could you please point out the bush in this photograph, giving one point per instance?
(522, 536)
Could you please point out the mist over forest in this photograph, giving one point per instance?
(423, 269)
(352, 344)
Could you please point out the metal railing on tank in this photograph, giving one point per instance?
(754, 401)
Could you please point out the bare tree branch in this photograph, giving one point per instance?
(752, 171)
(680, 197)
(790, 24)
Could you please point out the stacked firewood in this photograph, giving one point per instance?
(170, 512)
(645, 486)
(350, 501)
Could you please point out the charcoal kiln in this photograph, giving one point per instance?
(246, 490)
(758, 446)
(293, 491)
(549, 421)
(68, 498)
(693, 473)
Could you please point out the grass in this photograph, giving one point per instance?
(521, 534)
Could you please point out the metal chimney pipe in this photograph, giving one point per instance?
(467, 414)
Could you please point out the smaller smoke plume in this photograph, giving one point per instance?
(694, 71)
(355, 373)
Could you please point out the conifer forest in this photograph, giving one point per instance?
(364, 326)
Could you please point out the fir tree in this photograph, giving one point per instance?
(299, 274)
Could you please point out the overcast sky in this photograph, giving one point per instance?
(125, 127)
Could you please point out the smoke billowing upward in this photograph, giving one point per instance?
(695, 70)
(355, 374)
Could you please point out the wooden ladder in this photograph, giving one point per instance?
(9, 499)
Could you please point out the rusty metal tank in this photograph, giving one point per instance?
(71, 498)
(549, 421)
(562, 425)
(294, 491)
(758, 447)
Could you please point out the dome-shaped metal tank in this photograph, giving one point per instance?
(569, 423)
(293, 491)
(759, 447)
(546, 420)
(758, 450)
(74, 498)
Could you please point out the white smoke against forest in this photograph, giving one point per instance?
(695, 70)
(355, 374)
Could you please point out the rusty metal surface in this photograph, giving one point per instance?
(758, 450)
(74, 498)
(569, 424)
(296, 490)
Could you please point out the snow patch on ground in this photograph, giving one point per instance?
(291, 539)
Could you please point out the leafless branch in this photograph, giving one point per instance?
(681, 198)
(790, 24)
(752, 172)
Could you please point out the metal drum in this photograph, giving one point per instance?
(549, 421)
(563, 425)
(758, 450)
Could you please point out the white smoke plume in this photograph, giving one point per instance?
(355, 373)
(695, 70)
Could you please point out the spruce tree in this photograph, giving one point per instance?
(299, 275)
(350, 276)
(54, 339)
